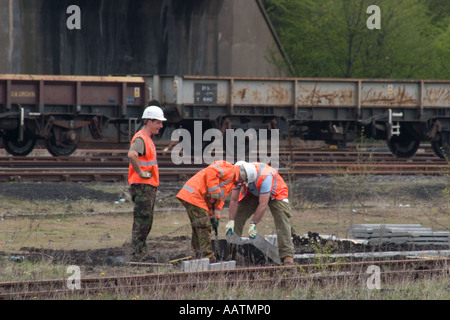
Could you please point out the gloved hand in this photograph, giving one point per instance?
(145, 174)
(215, 223)
(252, 230)
(230, 227)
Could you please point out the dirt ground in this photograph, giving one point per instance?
(86, 224)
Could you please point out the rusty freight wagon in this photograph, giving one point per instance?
(65, 111)
(68, 111)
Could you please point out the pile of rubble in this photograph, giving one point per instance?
(366, 241)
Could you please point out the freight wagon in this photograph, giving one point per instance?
(69, 111)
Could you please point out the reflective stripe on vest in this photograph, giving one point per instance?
(219, 186)
(148, 163)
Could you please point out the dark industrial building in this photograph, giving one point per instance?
(179, 37)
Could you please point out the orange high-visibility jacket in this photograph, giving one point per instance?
(279, 189)
(147, 162)
(218, 178)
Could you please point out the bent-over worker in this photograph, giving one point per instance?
(204, 196)
(266, 189)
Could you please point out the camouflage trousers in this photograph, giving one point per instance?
(201, 231)
(143, 196)
(281, 212)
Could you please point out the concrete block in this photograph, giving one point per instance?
(195, 265)
(272, 238)
(264, 246)
(185, 266)
(231, 264)
(216, 266)
(224, 265)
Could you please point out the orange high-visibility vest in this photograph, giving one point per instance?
(278, 190)
(218, 178)
(147, 162)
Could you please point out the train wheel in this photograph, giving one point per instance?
(59, 148)
(19, 148)
(441, 147)
(403, 146)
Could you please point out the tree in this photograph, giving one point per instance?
(330, 38)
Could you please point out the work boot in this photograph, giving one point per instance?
(288, 261)
(139, 255)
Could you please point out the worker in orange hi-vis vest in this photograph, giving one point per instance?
(143, 177)
(267, 189)
(204, 196)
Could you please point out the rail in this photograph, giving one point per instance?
(113, 168)
(269, 276)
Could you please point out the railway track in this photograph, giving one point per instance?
(98, 165)
(264, 277)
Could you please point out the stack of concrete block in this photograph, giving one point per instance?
(399, 233)
(205, 265)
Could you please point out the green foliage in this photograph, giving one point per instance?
(330, 38)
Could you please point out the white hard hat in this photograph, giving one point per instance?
(153, 112)
(250, 170)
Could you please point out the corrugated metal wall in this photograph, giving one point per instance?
(183, 37)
